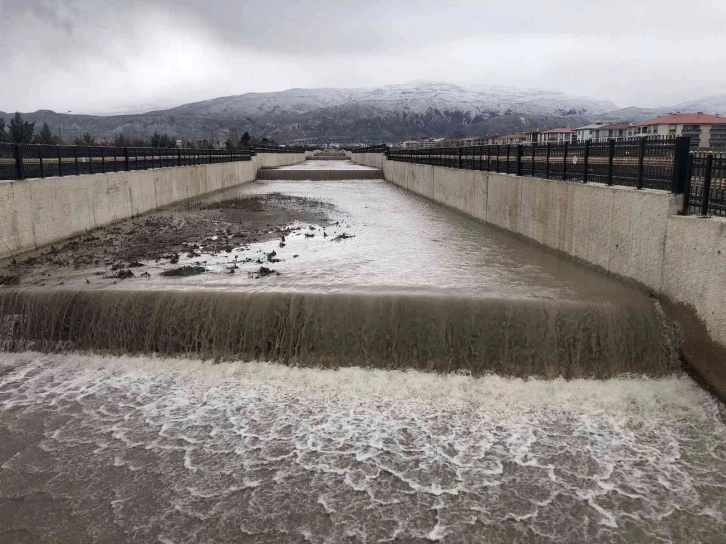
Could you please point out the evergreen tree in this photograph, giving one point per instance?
(86, 139)
(162, 140)
(21, 132)
(245, 139)
(120, 141)
(45, 136)
(3, 134)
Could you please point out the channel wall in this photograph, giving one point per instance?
(39, 212)
(634, 234)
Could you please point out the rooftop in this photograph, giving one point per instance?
(558, 131)
(616, 126)
(685, 119)
(590, 127)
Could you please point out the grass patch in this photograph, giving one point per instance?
(184, 271)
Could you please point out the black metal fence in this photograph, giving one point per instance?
(379, 148)
(23, 161)
(706, 192)
(644, 163)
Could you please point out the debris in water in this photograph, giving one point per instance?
(184, 271)
(343, 236)
(262, 272)
(309, 235)
(271, 257)
(134, 264)
(124, 274)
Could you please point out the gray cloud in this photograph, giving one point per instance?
(94, 56)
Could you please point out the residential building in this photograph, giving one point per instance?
(615, 131)
(705, 130)
(556, 136)
(588, 132)
(525, 138)
(470, 141)
(418, 144)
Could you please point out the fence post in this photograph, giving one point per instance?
(178, 157)
(641, 162)
(127, 161)
(90, 161)
(19, 174)
(458, 164)
(75, 158)
(508, 149)
(40, 158)
(707, 185)
(115, 164)
(585, 161)
(60, 161)
(103, 159)
(564, 162)
(533, 156)
(520, 152)
(547, 162)
(680, 163)
(687, 193)
(611, 158)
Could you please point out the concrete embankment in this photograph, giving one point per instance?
(39, 212)
(634, 234)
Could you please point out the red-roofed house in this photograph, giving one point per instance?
(522, 138)
(705, 130)
(556, 136)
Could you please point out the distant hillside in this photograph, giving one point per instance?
(391, 113)
(713, 104)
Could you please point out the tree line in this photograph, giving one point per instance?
(20, 131)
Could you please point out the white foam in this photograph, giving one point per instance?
(375, 454)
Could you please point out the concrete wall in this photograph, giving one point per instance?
(634, 234)
(38, 212)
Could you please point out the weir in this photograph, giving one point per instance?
(353, 272)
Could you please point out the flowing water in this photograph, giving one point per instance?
(101, 448)
(151, 450)
(391, 281)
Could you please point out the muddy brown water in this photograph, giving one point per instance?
(337, 274)
(312, 447)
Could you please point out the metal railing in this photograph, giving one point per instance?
(706, 191)
(643, 163)
(379, 148)
(24, 161)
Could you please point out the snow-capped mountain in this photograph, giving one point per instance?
(383, 114)
(417, 98)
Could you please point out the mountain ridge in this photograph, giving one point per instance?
(371, 114)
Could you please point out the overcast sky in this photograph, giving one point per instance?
(95, 56)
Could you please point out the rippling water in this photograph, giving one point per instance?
(142, 449)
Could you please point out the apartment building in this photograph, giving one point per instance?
(588, 132)
(525, 138)
(615, 131)
(705, 130)
(556, 136)
(426, 143)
